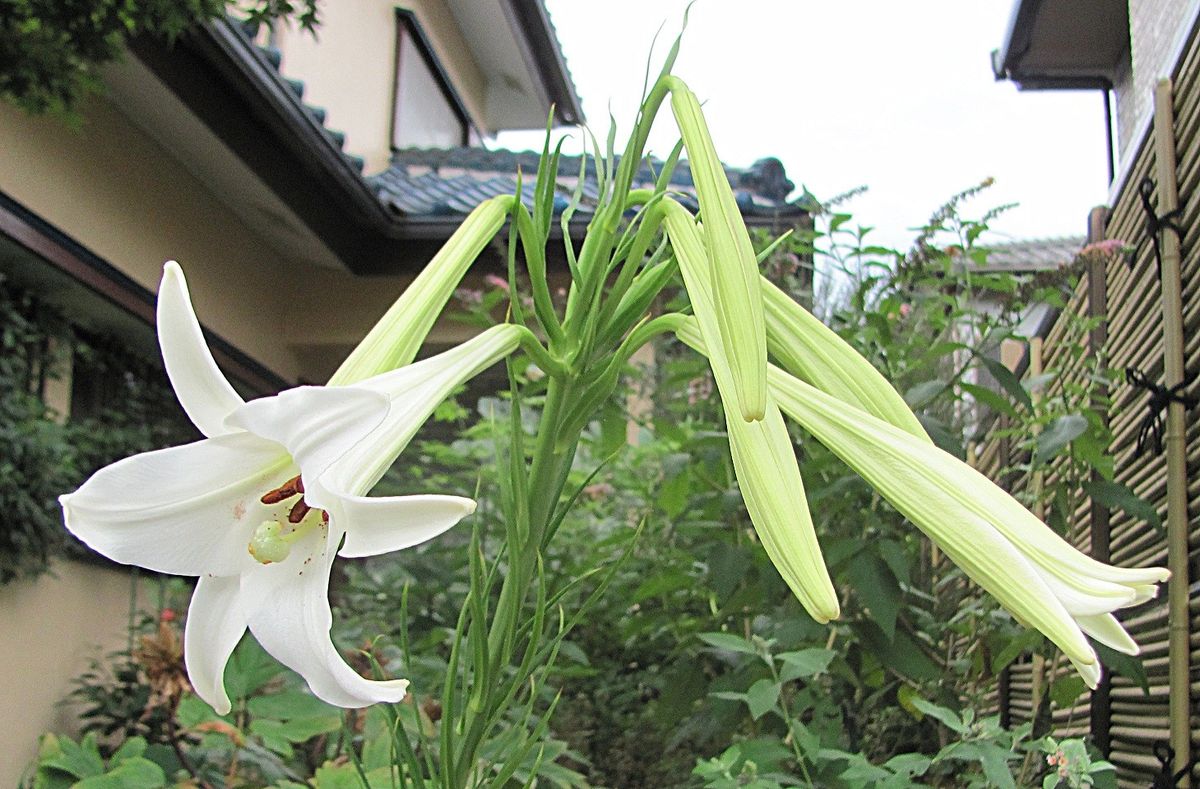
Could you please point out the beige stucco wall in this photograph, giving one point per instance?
(49, 630)
(117, 192)
(349, 69)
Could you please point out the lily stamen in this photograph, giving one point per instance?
(284, 492)
(299, 510)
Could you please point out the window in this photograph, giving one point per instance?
(427, 112)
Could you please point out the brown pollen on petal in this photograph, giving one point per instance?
(284, 492)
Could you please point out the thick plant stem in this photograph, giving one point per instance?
(546, 480)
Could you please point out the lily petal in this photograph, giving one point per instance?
(287, 608)
(384, 524)
(316, 424)
(1108, 631)
(205, 394)
(184, 510)
(414, 392)
(215, 624)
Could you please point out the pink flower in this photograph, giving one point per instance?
(496, 282)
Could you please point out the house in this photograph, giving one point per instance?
(302, 183)
(1123, 49)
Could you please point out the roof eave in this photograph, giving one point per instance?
(1036, 30)
(543, 54)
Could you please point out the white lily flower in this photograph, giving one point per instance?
(1036, 574)
(259, 507)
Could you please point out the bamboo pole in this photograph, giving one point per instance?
(1177, 519)
(1099, 531)
(1038, 678)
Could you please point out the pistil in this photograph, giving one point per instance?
(270, 542)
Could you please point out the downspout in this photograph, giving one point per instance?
(1108, 133)
(1178, 652)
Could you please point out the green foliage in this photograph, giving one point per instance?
(52, 51)
(42, 456)
(64, 763)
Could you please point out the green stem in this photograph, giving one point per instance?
(547, 478)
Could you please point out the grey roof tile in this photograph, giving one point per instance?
(1036, 254)
(441, 181)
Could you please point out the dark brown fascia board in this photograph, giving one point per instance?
(89, 269)
(543, 57)
(1006, 61)
(230, 86)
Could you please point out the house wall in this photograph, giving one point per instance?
(50, 629)
(349, 69)
(115, 191)
(1155, 27)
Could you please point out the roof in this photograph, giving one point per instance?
(284, 172)
(1064, 44)
(450, 182)
(1039, 254)
(272, 56)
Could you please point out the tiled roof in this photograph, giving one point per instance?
(451, 181)
(273, 56)
(1039, 254)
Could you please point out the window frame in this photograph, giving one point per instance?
(408, 29)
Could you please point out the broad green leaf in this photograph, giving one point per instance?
(902, 654)
(761, 697)
(875, 585)
(290, 704)
(1116, 496)
(947, 716)
(81, 760)
(135, 773)
(995, 764)
(1058, 434)
(1008, 381)
(1064, 692)
(272, 734)
(1128, 666)
(1030, 639)
(923, 393)
(130, 749)
(804, 663)
(663, 583)
(729, 642)
(249, 668)
(985, 396)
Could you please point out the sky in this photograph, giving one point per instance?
(896, 96)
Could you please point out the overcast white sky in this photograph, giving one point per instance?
(898, 96)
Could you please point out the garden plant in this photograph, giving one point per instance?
(609, 611)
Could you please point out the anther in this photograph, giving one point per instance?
(299, 510)
(283, 492)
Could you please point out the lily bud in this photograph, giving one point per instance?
(811, 351)
(396, 338)
(1037, 575)
(732, 268)
(763, 458)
